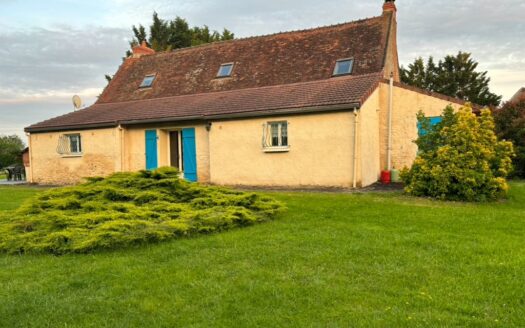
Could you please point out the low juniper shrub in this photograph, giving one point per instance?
(127, 209)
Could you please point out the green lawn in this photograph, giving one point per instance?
(3, 176)
(332, 260)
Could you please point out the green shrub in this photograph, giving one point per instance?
(510, 125)
(460, 158)
(127, 209)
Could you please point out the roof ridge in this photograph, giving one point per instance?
(216, 43)
(341, 78)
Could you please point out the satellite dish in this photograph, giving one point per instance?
(77, 102)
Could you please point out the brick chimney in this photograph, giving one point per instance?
(389, 6)
(391, 65)
(141, 50)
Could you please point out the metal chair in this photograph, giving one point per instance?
(19, 173)
(9, 171)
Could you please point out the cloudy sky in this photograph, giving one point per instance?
(53, 49)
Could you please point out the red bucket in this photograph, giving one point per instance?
(386, 177)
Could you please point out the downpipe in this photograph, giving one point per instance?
(354, 174)
(390, 105)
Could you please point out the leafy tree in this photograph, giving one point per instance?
(455, 76)
(460, 158)
(166, 35)
(10, 149)
(510, 125)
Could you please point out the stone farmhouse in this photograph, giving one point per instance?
(322, 107)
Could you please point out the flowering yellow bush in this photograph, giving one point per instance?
(460, 158)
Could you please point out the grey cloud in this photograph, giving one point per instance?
(54, 62)
(41, 68)
(42, 60)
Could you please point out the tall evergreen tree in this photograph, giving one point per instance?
(455, 76)
(181, 34)
(167, 35)
(159, 34)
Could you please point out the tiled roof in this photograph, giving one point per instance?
(337, 93)
(519, 96)
(284, 58)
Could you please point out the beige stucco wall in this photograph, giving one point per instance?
(100, 157)
(406, 105)
(321, 152)
(135, 148)
(369, 140)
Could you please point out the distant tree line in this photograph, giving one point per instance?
(455, 76)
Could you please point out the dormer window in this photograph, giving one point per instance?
(225, 70)
(343, 67)
(148, 81)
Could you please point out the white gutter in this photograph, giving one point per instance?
(354, 175)
(390, 104)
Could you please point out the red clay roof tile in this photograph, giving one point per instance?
(277, 59)
(274, 73)
(347, 92)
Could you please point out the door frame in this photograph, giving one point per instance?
(179, 145)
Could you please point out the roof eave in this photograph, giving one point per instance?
(30, 129)
(203, 118)
(265, 113)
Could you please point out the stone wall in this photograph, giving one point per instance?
(407, 102)
(100, 157)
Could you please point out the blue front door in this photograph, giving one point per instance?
(151, 149)
(189, 154)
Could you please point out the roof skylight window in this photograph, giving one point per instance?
(148, 81)
(225, 70)
(343, 67)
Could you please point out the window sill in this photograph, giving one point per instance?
(276, 149)
(72, 155)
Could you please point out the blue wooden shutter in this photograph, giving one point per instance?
(151, 149)
(433, 121)
(189, 154)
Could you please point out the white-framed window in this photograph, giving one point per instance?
(147, 82)
(343, 67)
(70, 144)
(225, 70)
(275, 136)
